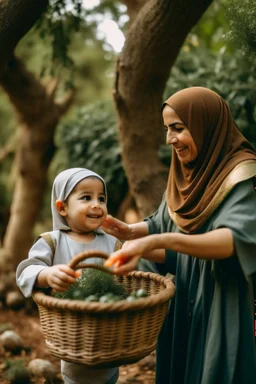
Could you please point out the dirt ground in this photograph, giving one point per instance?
(27, 325)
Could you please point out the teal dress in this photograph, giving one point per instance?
(208, 335)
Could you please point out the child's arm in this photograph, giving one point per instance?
(59, 277)
(39, 262)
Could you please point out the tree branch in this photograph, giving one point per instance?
(5, 152)
(66, 101)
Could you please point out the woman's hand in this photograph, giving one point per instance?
(124, 231)
(126, 259)
(117, 228)
(59, 277)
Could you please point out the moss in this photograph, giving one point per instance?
(92, 282)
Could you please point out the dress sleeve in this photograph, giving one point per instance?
(160, 222)
(40, 256)
(238, 213)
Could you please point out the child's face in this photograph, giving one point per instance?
(85, 209)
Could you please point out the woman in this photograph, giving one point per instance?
(204, 233)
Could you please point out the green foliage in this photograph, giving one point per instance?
(211, 28)
(57, 24)
(229, 74)
(93, 65)
(86, 137)
(94, 69)
(92, 282)
(242, 17)
(90, 140)
(61, 22)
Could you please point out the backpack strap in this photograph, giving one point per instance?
(49, 240)
(47, 237)
(118, 245)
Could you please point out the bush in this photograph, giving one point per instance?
(228, 74)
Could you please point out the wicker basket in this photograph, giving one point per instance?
(106, 334)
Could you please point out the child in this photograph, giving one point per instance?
(78, 204)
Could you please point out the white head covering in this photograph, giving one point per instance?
(63, 185)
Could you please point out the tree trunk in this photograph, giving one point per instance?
(133, 7)
(38, 116)
(152, 45)
(16, 19)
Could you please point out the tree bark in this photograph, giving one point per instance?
(133, 7)
(152, 44)
(16, 19)
(38, 116)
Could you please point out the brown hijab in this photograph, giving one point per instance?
(224, 158)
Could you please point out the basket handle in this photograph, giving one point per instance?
(74, 263)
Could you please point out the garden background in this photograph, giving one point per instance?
(68, 99)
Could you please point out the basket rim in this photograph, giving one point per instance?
(41, 298)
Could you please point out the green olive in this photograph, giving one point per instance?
(91, 298)
(141, 293)
(131, 298)
(117, 298)
(77, 294)
(104, 299)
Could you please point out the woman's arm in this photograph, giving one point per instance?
(216, 244)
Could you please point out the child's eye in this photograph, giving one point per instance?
(86, 197)
(102, 199)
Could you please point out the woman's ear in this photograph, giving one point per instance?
(60, 205)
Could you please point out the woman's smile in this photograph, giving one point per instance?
(179, 136)
(179, 150)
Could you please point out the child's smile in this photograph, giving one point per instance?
(85, 209)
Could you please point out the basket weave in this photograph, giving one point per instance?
(106, 334)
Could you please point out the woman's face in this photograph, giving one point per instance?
(178, 135)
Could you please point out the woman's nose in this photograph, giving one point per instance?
(171, 138)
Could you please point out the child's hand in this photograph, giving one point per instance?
(60, 277)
